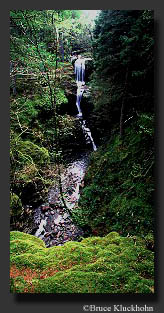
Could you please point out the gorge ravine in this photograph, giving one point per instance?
(52, 220)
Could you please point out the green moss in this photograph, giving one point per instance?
(107, 264)
(17, 285)
(39, 155)
(123, 200)
(17, 235)
(15, 205)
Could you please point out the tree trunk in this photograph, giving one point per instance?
(61, 47)
(14, 85)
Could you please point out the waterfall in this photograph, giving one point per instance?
(78, 99)
(80, 70)
(80, 76)
(88, 135)
(41, 228)
(55, 225)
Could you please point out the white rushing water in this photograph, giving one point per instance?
(79, 94)
(73, 176)
(80, 74)
(80, 70)
(41, 228)
(71, 179)
(88, 134)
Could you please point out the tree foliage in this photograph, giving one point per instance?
(41, 42)
(123, 119)
(124, 66)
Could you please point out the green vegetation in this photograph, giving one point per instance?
(123, 80)
(118, 193)
(42, 81)
(15, 205)
(119, 185)
(110, 264)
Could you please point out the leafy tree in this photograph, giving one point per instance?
(40, 43)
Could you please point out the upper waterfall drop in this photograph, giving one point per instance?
(80, 70)
(79, 76)
(79, 65)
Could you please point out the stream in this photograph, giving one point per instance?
(52, 219)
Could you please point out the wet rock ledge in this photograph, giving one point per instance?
(55, 226)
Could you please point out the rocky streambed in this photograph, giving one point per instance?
(52, 220)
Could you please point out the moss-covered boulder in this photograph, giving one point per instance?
(15, 205)
(110, 264)
(31, 151)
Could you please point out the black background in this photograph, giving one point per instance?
(58, 303)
